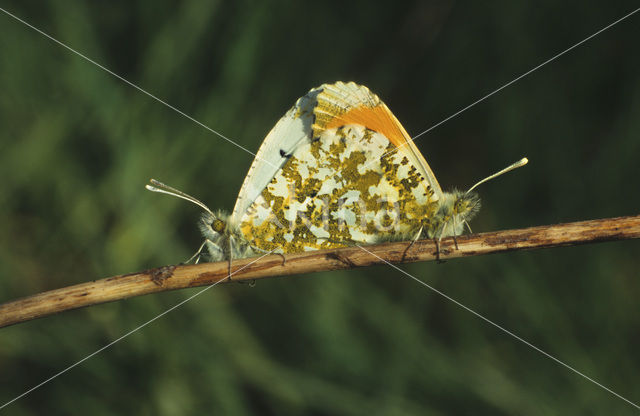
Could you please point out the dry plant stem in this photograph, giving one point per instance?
(178, 277)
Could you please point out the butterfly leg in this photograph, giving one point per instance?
(196, 255)
(413, 241)
(437, 241)
(230, 257)
(455, 240)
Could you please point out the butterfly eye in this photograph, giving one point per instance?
(218, 226)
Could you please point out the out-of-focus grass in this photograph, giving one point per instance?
(77, 147)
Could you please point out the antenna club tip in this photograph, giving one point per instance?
(523, 161)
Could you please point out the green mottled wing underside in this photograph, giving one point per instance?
(349, 185)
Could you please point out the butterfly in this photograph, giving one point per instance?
(338, 169)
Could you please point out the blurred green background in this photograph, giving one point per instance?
(78, 145)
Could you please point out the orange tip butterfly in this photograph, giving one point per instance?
(338, 169)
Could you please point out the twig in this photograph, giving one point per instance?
(178, 277)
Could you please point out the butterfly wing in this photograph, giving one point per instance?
(342, 104)
(292, 130)
(355, 182)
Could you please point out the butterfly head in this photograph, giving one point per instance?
(455, 211)
(465, 206)
(218, 225)
(223, 238)
(215, 230)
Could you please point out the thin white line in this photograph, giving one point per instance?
(502, 329)
(130, 332)
(133, 85)
(513, 81)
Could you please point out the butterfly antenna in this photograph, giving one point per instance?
(157, 186)
(516, 165)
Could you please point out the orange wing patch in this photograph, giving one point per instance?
(344, 104)
(378, 119)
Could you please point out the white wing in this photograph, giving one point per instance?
(291, 131)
